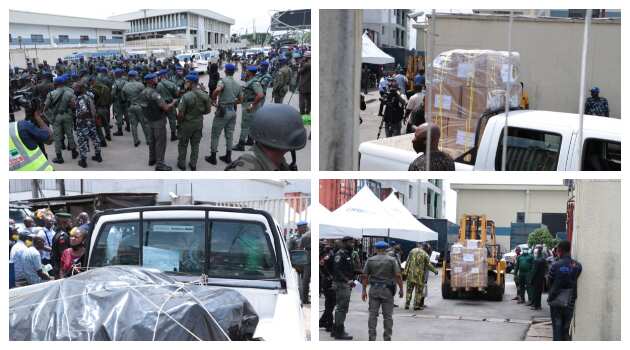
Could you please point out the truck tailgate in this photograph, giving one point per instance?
(387, 154)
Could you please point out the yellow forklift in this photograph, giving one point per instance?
(478, 227)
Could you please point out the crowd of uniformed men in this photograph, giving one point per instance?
(152, 93)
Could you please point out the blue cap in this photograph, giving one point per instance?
(150, 76)
(252, 69)
(178, 68)
(164, 71)
(302, 223)
(192, 77)
(132, 73)
(101, 69)
(118, 71)
(264, 63)
(59, 80)
(230, 67)
(595, 90)
(381, 245)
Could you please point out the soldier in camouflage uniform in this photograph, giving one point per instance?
(281, 81)
(118, 101)
(265, 79)
(169, 92)
(86, 124)
(59, 104)
(252, 95)
(229, 94)
(103, 100)
(596, 105)
(277, 129)
(131, 95)
(191, 109)
(383, 273)
(417, 265)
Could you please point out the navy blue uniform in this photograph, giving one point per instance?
(563, 274)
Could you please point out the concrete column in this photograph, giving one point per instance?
(339, 86)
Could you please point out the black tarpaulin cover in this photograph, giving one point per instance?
(124, 303)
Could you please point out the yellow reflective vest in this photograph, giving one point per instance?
(23, 159)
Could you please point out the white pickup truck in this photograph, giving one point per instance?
(537, 141)
(236, 248)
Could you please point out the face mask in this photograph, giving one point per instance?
(76, 246)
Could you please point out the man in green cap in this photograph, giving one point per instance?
(191, 109)
(252, 97)
(226, 96)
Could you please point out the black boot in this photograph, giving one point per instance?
(227, 158)
(162, 167)
(340, 334)
(97, 157)
(127, 128)
(240, 146)
(212, 158)
(192, 167)
(136, 143)
(118, 132)
(75, 154)
(249, 142)
(108, 137)
(173, 136)
(59, 159)
(103, 143)
(181, 167)
(82, 163)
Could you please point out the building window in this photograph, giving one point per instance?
(117, 32)
(102, 39)
(37, 38)
(520, 217)
(84, 39)
(10, 38)
(410, 191)
(63, 39)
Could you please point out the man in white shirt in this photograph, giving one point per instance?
(27, 261)
(47, 234)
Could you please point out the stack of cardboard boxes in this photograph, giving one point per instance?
(469, 265)
(466, 84)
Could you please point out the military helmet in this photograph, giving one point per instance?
(279, 126)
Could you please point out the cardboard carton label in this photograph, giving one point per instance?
(469, 257)
(443, 102)
(465, 70)
(465, 138)
(474, 270)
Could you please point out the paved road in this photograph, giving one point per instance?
(121, 155)
(448, 319)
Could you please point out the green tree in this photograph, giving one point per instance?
(541, 236)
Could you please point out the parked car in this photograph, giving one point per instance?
(236, 248)
(537, 141)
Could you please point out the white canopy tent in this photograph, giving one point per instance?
(404, 216)
(319, 210)
(370, 53)
(366, 215)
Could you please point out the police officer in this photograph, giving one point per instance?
(326, 261)
(226, 96)
(281, 81)
(59, 104)
(395, 102)
(191, 109)
(86, 125)
(596, 105)
(343, 282)
(118, 101)
(61, 241)
(131, 92)
(563, 277)
(169, 92)
(305, 244)
(265, 79)
(103, 100)
(276, 130)
(252, 96)
(304, 83)
(154, 112)
(382, 272)
(24, 139)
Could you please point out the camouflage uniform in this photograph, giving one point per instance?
(193, 105)
(256, 160)
(131, 95)
(281, 82)
(252, 88)
(86, 125)
(596, 106)
(103, 101)
(58, 104)
(168, 90)
(265, 81)
(225, 122)
(119, 102)
(417, 265)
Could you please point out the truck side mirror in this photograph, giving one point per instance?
(299, 258)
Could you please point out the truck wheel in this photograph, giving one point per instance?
(495, 292)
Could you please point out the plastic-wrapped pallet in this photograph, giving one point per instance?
(466, 84)
(469, 266)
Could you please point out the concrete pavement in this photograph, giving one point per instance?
(448, 319)
(120, 154)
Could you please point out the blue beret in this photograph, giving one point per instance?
(302, 223)
(132, 73)
(59, 80)
(192, 77)
(150, 76)
(381, 245)
(101, 69)
(595, 89)
(117, 71)
(179, 68)
(230, 67)
(164, 72)
(252, 69)
(264, 63)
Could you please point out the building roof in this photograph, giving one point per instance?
(34, 18)
(525, 18)
(160, 12)
(507, 187)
